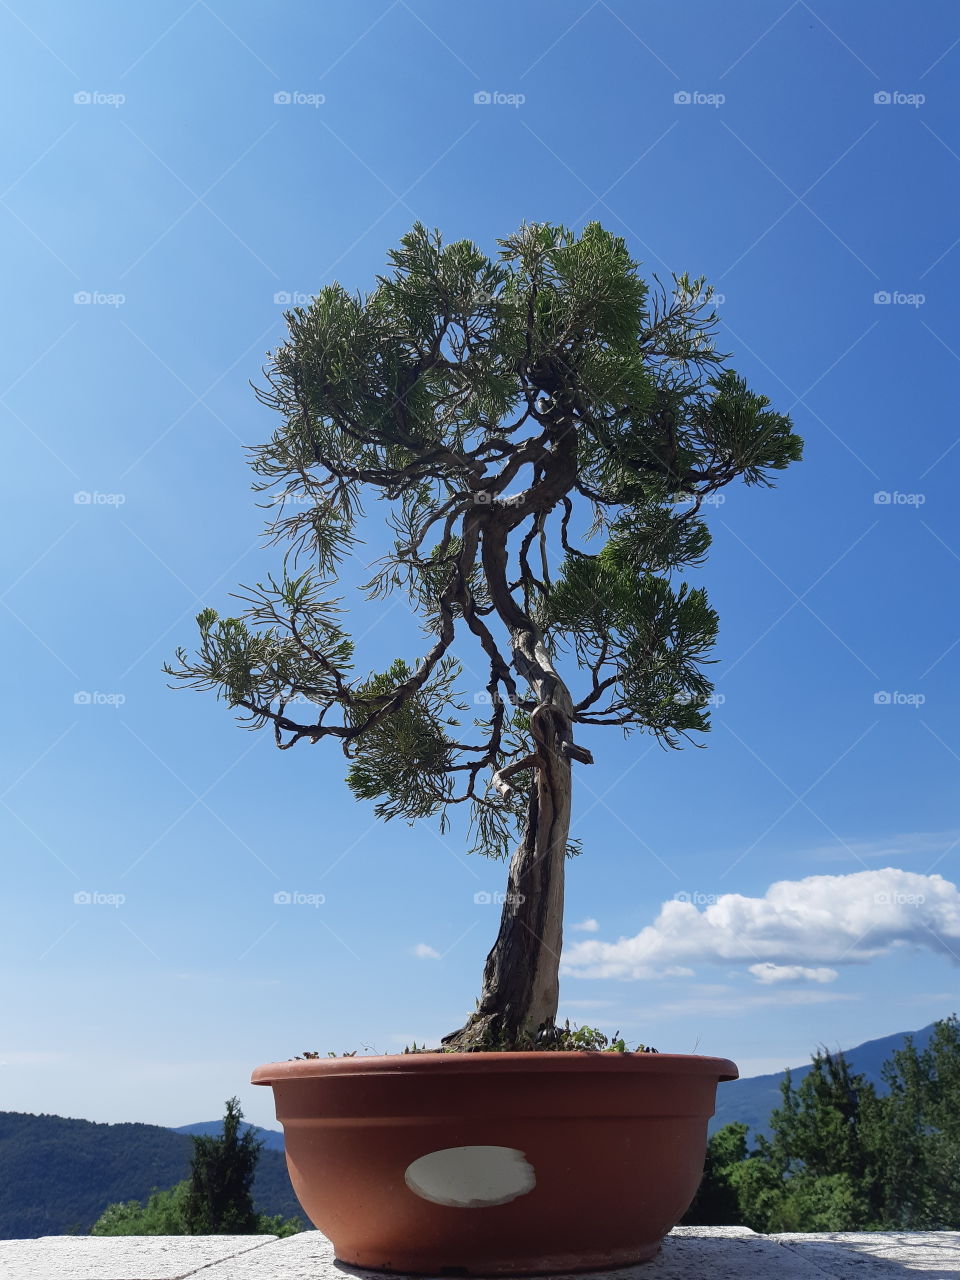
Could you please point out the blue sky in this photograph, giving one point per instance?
(149, 168)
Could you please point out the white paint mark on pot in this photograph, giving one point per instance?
(471, 1177)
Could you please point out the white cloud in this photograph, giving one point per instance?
(768, 972)
(817, 921)
(425, 952)
(586, 926)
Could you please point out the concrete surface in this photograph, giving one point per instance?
(689, 1253)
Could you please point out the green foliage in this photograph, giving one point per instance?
(275, 1224)
(717, 1202)
(219, 1198)
(655, 636)
(406, 756)
(553, 366)
(162, 1215)
(165, 1214)
(843, 1158)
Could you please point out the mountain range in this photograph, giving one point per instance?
(751, 1100)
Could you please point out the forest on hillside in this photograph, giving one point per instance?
(57, 1175)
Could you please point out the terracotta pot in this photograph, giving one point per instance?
(496, 1163)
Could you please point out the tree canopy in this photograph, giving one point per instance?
(544, 428)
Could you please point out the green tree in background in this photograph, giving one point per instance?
(717, 1201)
(921, 1132)
(840, 1157)
(220, 1198)
(825, 1145)
(215, 1200)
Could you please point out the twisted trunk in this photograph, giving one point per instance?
(521, 984)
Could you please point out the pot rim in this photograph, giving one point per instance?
(553, 1061)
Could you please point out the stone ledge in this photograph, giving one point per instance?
(689, 1253)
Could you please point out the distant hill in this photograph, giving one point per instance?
(750, 1101)
(58, 1175)
(272, 1139)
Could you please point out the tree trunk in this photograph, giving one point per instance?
(521, 985)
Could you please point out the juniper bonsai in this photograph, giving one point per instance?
(514, 413)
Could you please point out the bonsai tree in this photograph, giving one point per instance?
(545, 428)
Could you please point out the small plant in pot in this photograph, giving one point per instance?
(545, 428)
